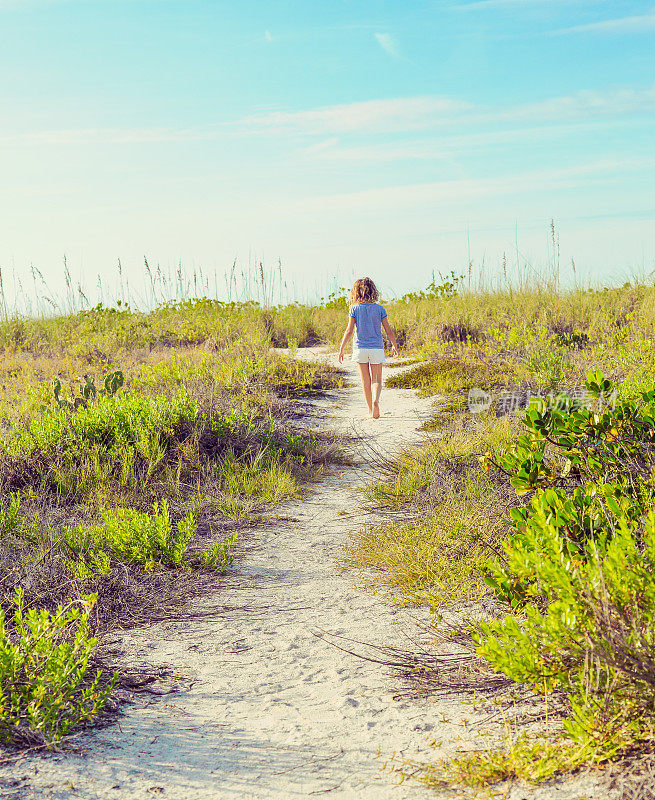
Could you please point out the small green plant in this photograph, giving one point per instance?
(293, 347)
(532, 759)
(548, 365)
(44, 659)
(149, 540)
(133, 537)
(10, 519)
(447, 289)
(218, 558)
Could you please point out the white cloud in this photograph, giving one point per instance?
(326, 145)
(329, 150)
(446, 124)
(441, 147)
(586, 105)
(641, 23)
(386, 42)
(268, 36)
(425, 195)
(425, 113)
(368, 116)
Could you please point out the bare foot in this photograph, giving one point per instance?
(376, 411)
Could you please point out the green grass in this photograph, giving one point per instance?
(533, 759)
(431, 561)
(452, 516)
(129, 443)
(146, 539)
(449, 375)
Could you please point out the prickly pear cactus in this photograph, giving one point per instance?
(113, 383)
(88, 388)
(88, 392)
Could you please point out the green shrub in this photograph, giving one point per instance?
(128, 536)
(218, 558)
(570, 442)
(125, 438)
(588, 465)
(589, 628)
(44, 658)
(129, 441)
(579, 567)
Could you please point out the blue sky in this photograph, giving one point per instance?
(387, 138)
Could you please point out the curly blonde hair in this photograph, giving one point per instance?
(364, 291)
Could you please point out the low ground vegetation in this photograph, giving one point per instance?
(577, 571)
(530, 337)
(114, 487)
(538, 511)
(129, 461)
(46, 689)
(446, 501)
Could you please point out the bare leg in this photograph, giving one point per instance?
(376, 379)
(366, 385)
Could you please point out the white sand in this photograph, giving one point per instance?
(272, 710)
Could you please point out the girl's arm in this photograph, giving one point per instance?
(391, 336)
(346, 338)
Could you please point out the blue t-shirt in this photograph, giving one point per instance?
(368, 319)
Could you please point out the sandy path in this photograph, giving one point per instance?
(272, 710)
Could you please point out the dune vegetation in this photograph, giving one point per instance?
(136, 444)
(530, 517)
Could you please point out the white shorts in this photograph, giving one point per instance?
(368, 355)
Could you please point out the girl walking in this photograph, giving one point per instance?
(367, 318)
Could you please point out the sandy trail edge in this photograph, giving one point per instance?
(272, 710)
